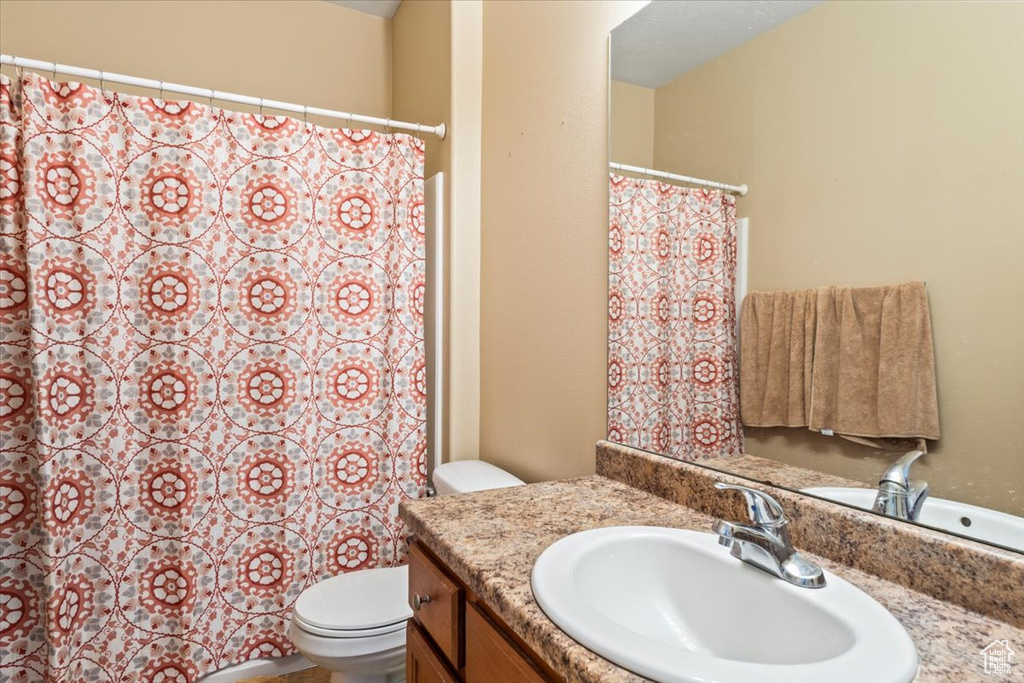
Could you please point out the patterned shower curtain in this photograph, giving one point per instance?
(672, 372)
(212, 389)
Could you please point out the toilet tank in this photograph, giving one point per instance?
(471, 475)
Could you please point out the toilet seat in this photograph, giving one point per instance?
(346, 632)
(323, 649)
(361, 604)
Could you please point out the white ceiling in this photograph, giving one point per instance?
(380, 8)
(669, 37)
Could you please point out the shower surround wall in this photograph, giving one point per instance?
(213, 376)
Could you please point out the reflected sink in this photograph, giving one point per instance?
(981, 523)
(673, 605)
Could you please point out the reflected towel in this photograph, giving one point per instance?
(776, 343)
(874, 364)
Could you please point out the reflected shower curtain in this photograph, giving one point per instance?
(212, 389)
(672, 372)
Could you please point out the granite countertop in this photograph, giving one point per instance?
(462, 531)
(778, 473)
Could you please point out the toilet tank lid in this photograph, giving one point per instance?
(472, 475)
(358, 600)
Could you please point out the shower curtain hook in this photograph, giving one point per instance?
(161, 91)
(387, 126)
(305, 114)
(54, 74)
(18, 71)
(102, 84)
(261, 108)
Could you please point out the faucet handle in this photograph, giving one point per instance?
(899, 471)
(761, 507)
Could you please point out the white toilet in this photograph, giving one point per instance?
(353, 625)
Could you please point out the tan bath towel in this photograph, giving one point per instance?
(857, 363)
(776, 343)
(874, 364)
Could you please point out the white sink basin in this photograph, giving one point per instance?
(983, 524)
(673, 605)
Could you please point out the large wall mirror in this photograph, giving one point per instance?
(880, 143)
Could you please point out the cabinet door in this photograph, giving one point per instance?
(491, 657)
(422, 664)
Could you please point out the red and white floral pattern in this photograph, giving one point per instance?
(266, 479)
(672, 380)
(266, 296)
(354, 297)
(356, 466)
(169, 293)
(211, 379)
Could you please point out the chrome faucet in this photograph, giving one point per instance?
(765, 544)
(900, 496)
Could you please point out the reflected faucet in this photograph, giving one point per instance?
(900, 496)
(765, 543)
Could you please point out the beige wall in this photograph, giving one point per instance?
(421, 59)
(309, 52)
(632, 124)
(437, 63)
(464, 251)
(544, 265)
(884, 142)
(421, 34)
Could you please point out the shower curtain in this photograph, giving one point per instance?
(212, 379)
(672, 371)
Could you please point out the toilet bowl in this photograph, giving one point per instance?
(353, 624)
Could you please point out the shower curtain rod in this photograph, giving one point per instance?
(741, 190)
(439, 130)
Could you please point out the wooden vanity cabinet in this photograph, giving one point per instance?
(453, 637)
(423, 663)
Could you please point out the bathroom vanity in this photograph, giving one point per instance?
(476, 552)
(455, 636)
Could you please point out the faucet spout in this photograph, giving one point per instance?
(899, 472)
(900, 496)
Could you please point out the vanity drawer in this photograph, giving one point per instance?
(438, 603)
(492, 657)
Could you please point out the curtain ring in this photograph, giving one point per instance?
(18, 71)
(161, 91)
(387, 126)
(54, 75)
(305, 114)
(261, 108)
